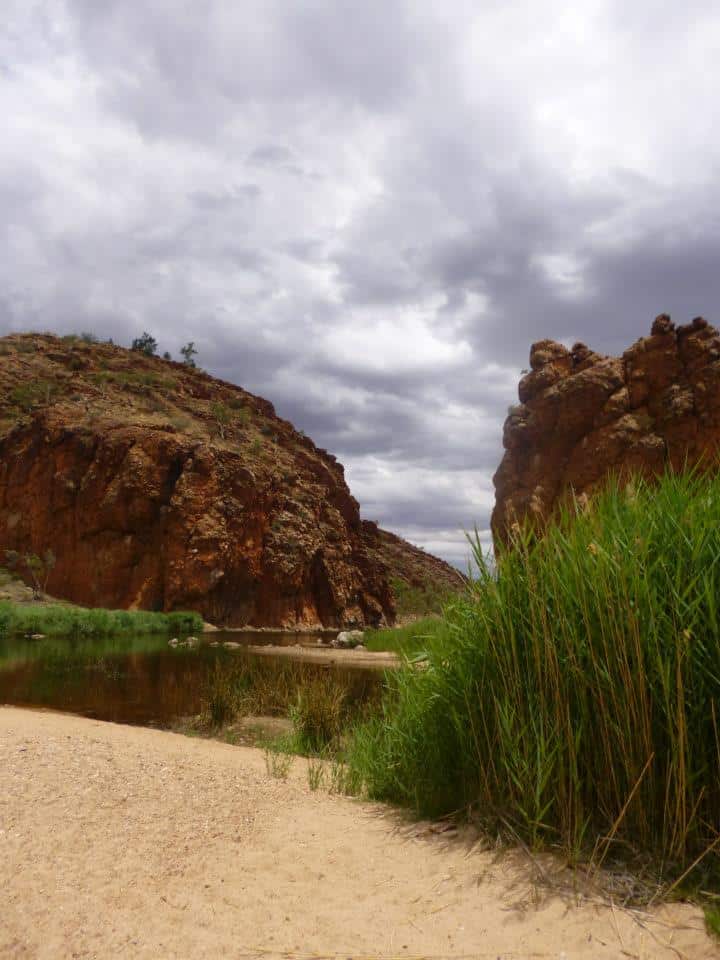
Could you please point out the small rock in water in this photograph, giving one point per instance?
(37, 636)
(191, 641)
(174, 642)
(231, 644)
(361, 646)
(347, 639)
(214, 643)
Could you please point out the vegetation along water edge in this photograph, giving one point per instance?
(67, 620)
(570, 697)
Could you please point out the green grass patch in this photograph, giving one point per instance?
(132, 379)
(27, 396)
(410, 640)
(712, 920)
(65, 620)
(575, 698)
(420, 601)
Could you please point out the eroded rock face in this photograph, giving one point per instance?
(158, 487)
(583, 416)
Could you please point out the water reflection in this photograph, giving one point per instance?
(138, 680)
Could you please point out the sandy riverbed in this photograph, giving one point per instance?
(125, 842)
(327, 656)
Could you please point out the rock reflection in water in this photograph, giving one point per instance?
(139, 680)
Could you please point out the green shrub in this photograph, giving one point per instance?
(180, 423)
(189, 353)
(146, 344)
(221, 415)
(575, 697)
(184, 621)
(413, 600)
(37, 567)
(33, 394)
(75, 362)
(17, 619)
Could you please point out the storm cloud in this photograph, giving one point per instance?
(365, 212)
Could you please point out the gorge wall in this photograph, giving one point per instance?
(159, 487)
(583, 416)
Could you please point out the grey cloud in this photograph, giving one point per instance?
(257, 177)
(183, 71)
(270, 155)
(226, 197)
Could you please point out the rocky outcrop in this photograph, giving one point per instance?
(159, 487)
(583, 416)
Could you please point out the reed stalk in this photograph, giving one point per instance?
(574, 689)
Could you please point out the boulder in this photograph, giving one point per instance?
(347, 639)
(584, 416)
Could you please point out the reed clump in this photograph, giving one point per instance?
(319, 702)
(575, 698)
(319, 714)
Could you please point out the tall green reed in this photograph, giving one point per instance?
(319, 702)
(575, 699)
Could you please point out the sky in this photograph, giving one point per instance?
(364, 211)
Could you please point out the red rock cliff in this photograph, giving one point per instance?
(159, 487)
(583, 416)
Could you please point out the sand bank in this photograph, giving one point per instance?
(126, 842)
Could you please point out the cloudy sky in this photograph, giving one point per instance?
(364, 210)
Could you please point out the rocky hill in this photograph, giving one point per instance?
(583, 416)
(159, 487)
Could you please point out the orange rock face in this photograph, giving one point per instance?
(158, 487)
(583, 416)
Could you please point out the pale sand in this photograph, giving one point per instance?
(362, 659)
(125, 842)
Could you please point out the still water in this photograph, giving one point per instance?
(137, 680)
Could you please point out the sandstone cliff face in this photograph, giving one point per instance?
(583, 416)
(158, 487)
